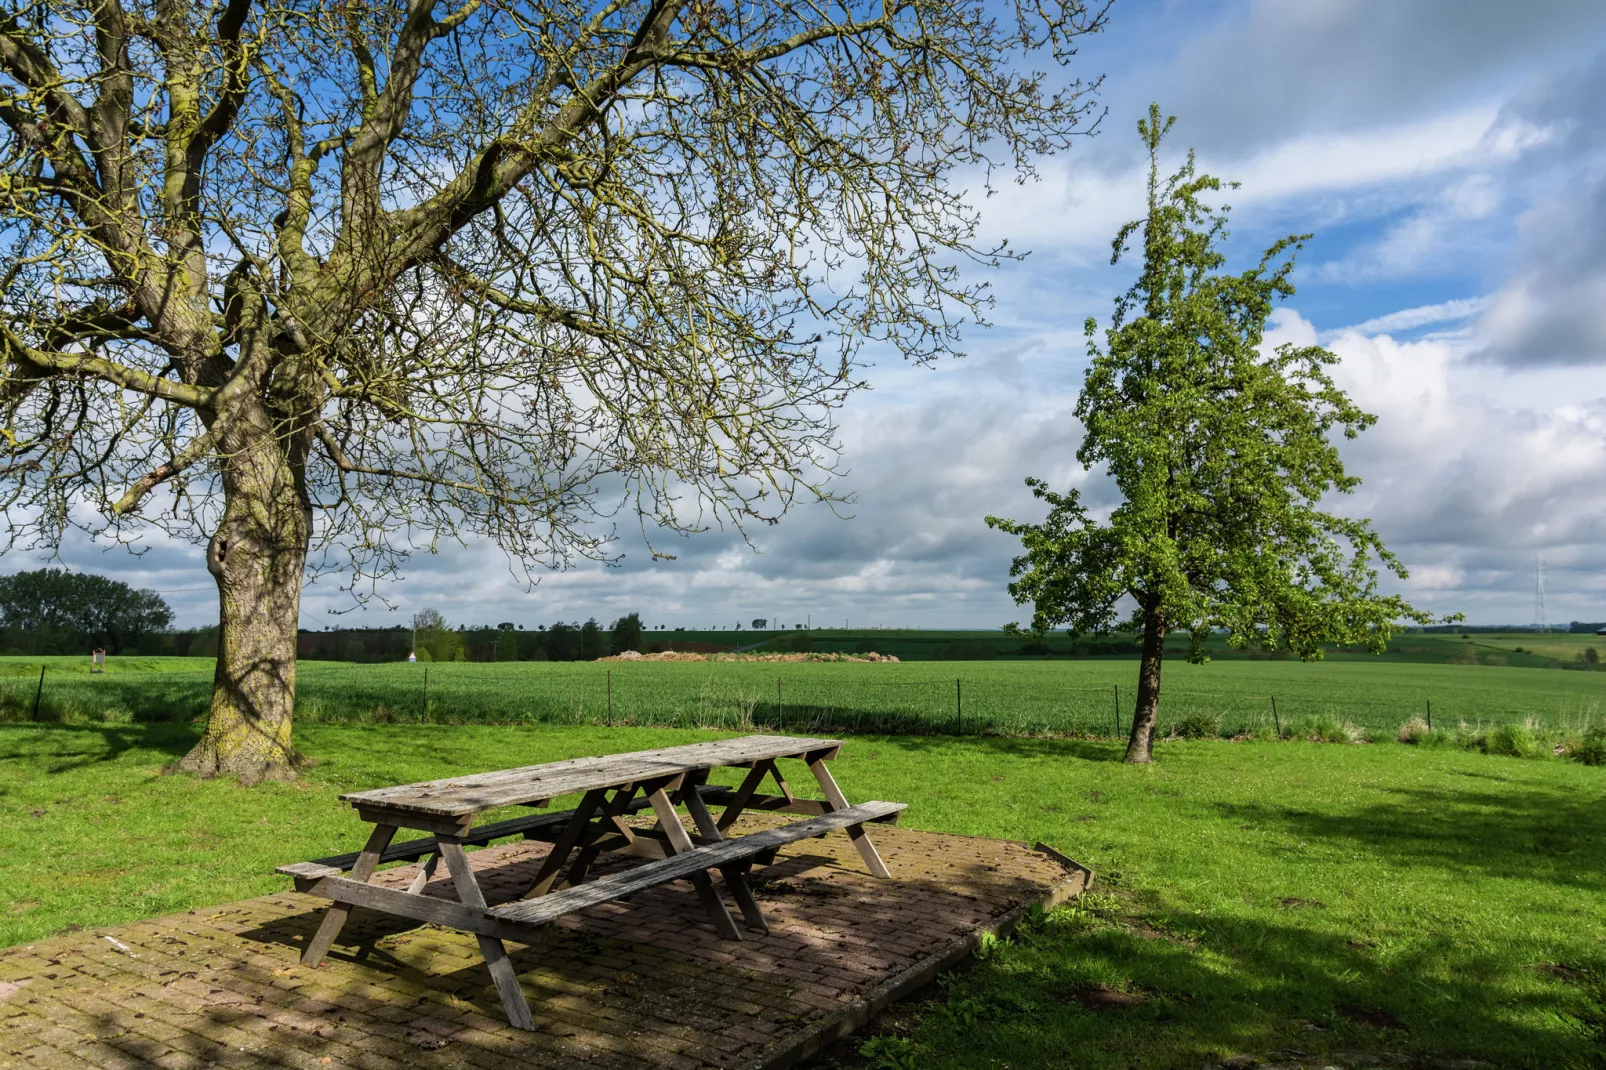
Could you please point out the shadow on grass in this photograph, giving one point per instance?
(76, 746)
(1240, 985)
(1536, 833)
(1091, 750)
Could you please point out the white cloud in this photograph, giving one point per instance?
(1410, 318)
(1467, 474)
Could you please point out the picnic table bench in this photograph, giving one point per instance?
(613, 787)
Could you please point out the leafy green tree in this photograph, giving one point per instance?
(437, 638)
(593, 641)
(80, 609)
(562, 642)
(286, 277)
(1221, 451)
(625, 634)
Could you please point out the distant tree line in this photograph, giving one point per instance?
(53, 611)
(438, 640)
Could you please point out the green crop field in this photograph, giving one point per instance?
(1008, 697)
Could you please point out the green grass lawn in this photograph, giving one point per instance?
(1000, 697)
(1251, 896)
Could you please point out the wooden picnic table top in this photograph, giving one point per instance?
(457, 797)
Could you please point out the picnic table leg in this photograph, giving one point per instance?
(736, 874)
(610, 820)
(426, 874)
(837, 801)
(669, 821)
(744, 794)
(560, 850)
(335, 919)
(502, 972)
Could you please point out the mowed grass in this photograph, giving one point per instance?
(1252, 897)
(1086, 697)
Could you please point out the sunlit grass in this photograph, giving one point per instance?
(1252, 896)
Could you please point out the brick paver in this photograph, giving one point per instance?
(629, 984)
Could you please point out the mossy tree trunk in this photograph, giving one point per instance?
(257, 556)
(1146, 715)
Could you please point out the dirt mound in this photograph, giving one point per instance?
(679, 655)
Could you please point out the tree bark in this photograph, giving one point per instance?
(1146, 716)
(256, 556)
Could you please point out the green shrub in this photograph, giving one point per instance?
(1513, 740)
(1197, 724)
(1590, 748)
(1327, 729)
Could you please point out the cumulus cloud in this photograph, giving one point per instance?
(1468, 478)
(1457, 183)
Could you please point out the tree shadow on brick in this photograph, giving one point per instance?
(654, 961)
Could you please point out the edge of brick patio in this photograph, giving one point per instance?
(854, 1016)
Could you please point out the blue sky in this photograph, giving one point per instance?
(1450, 156)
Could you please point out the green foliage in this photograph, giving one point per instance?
(1326, 729)
(625, 634)
(1513, 741)
(50, 610)
(563, 642)
(1590, 747)
(436, 638)
(795, 643)
(1197, 724)
(1222, 453)
(889, 1053)
(593, 641)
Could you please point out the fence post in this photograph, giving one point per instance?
(1275, 719)
(610, 698)
(1430, 715)
(38, 692)
(426, 694)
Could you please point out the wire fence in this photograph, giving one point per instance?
(983, 703)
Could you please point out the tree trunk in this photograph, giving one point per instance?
(1146, 716)
(256, 556)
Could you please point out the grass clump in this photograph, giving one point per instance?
(1326, 728)
(1419, 733)
(1197, 724)
(1514, 741)
(1589, 748)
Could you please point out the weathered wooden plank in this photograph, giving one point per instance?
(425, 908)
(335, 919)
(483, 791)
(856, 833)
(680, 843)
(478, 836)
(572, 831)
(735, 873)
(699, 859)
(502, 972)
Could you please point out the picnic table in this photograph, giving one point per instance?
(612, 787)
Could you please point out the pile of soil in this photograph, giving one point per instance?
(679, 655)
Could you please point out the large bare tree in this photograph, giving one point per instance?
(329, 280)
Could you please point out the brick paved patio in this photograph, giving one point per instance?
(634, 984)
